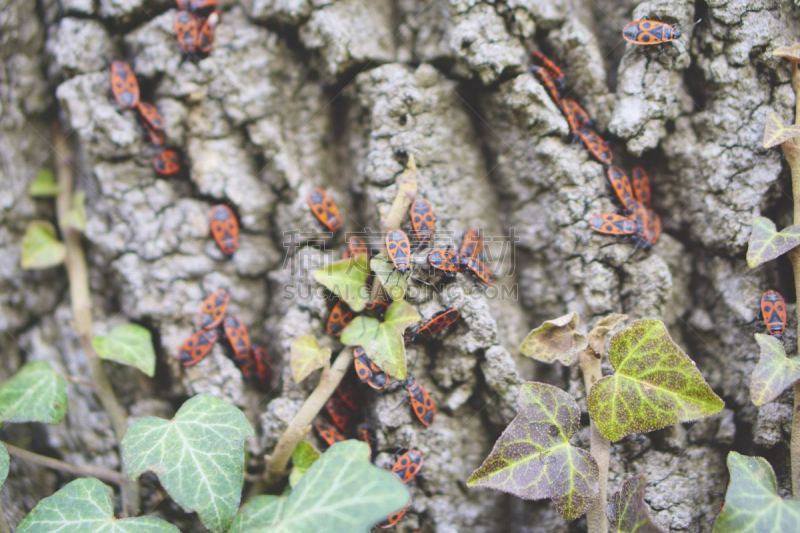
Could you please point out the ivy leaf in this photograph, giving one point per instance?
(4, 462)
(533, 458)
(128, 344)
(774, 372)
(655, 385)
(342, 491)
(86, 504)
(766, 243)
(76, 216)
(40, 247)
(599, 333)
(791, 52)
(347, 279)
(303, 457)
(306, 356)
(628, 512)
(776, 132)
(43, 185)
(383, 341)
(555, 340)
(198, 456)
(752, 504)
(36, 393)
(393, 282)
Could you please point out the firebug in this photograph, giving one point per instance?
(213, 309)
(408, 465)
(197, 346)
(239, 338)
(399, 249)
(340, 317)
(773, 312)
(124, 85)
(167, 162)
(225, 229)
(325, 209)
(423, 220)
(327, 432)
(422, 404)
(648, 32)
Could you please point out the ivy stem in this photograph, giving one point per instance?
(301, 423)
(4, 527)
(104, 474)
(80, 298)
(600, 447)
(791, 151)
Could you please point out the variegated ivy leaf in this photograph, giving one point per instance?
(306, 355)
(43, 185)
(776, 132)
(774, 371)
(36, 393)
(198, 456)
(76, 216)
(303, 457)
(383, 341)
(555, 340)
(128, 344)
(347, 279)
(752, 504)
(86, 504)
(601, 330)
(40, 246)
(767, 243)
(533, 458)
(655, 384)
(627, 510)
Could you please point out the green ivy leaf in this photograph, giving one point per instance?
(4, 462)
(533, 458)
(36, 393)
(393, 282)
(306, 356)
(752, 504)
(76, 216)
(383, 341)
(556, 340)
(774, 371)
(198, 456)
(86, 504)
(341, 492)
(627, 510)
(766, 243)
(40, 247)
(43, 185)
(776, 132)
(303, 457)
(347, 279)
(655, 385)
(128, 344)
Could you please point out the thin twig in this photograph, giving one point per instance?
(600, 447)
(301, 423)
(104, 474)
(80, 298)
(4, 527)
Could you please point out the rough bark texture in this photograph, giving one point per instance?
(300, 93)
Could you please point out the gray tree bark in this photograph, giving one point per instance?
(300, 93)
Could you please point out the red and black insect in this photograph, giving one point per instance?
(340, 317)
(641, 185)
(156, 137)
(423, 220)
(612, 224)
(647, 32)
(554, 70)
(377, 308)
(187, 29)
(124, 85)
(197, 346)
(366, 434)
(399, 249)
(393, 519)
(444, 260)
(325, 209)
(202, 7)
(327, 432)
(356, 245)
(347, 394)
(439, 322)
(239, 339)
(262, 364)
(151, 116)
(368, 372)
(422, 404)
(213, 309)
(773, 312)
(225, 229)
(340, 415)
(576, 115)
(471, 246)
(547, 81)
(596, 145)
(480, 270)
(408, 465)
(621, 185)
(167, 162)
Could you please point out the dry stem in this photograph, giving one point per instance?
(99, 472)
(600, 447)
